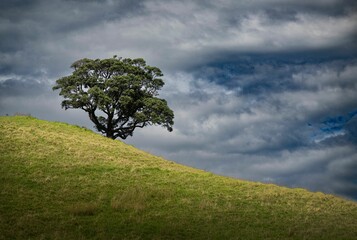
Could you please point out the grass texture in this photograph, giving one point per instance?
(59, 181)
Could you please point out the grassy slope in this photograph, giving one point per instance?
(59, 181)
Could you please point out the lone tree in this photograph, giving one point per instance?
(123, 90)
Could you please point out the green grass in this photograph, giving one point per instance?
(59, 181)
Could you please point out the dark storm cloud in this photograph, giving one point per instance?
(197, 33)
(260, 76)
(65, 15)
(250, 82)
(22, 87)
(272, 134)
(351, 128)
(33, 33)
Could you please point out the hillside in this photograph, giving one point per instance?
(65, 182)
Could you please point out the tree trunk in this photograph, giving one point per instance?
(110, 134)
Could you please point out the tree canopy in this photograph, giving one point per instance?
(119, 94)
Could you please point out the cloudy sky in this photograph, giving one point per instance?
(261, 90)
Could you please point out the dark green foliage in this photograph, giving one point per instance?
(123, 90)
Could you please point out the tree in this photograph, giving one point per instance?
(123, 90)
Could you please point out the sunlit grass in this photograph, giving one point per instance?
(59, 181)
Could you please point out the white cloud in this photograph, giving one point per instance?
(328, 77)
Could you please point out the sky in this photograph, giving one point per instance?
(261, 90)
